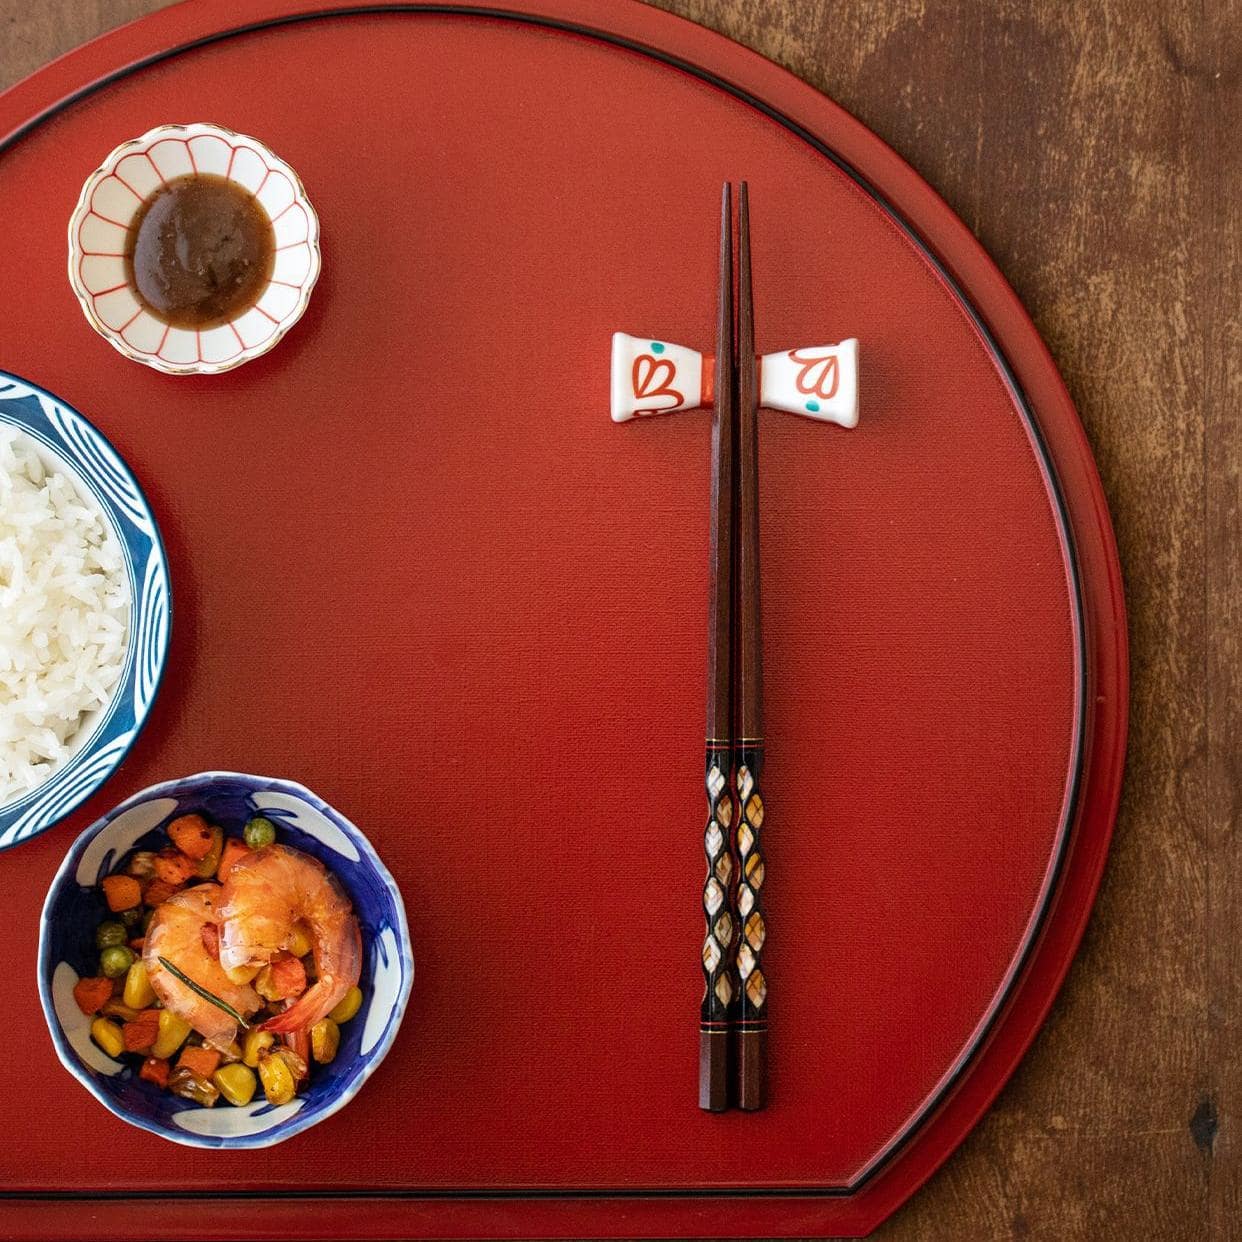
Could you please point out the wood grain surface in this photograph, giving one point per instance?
(1094, 149)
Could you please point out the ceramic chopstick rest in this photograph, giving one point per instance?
(657, 377)
(818, 382)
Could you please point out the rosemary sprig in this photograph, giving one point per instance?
(204, 993)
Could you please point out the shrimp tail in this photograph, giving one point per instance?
(316, 1001)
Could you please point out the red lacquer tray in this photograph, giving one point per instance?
(416, 567)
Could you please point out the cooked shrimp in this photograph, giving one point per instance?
(265, 894)
(176, 933)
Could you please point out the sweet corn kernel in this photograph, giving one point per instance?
(138, 993)
(266, 986)
(172, 1034)
(108, 1036)
(300, 943)
(242, 975)
(347, 1006)
(295, 1061)
(237, 1083)
(277, 1079)
(255, 1045)
(325, 1040)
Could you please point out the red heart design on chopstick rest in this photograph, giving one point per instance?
(652, 378)
(822, 385)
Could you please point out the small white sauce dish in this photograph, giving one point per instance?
(113, 196)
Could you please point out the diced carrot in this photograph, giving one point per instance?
(211, 939)
(122, 892)
(203, 1061)
(92, 994)
(191, 834)
(138, 945)
(158, 891)
(140, 1034)
(173, 867)
(288, 977)
(156, 1070)
(234, 848)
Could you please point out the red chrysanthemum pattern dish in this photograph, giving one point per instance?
(112, 197)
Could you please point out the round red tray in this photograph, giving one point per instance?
(416, 567)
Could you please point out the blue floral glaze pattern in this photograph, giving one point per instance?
(99, 472)
(74, 908)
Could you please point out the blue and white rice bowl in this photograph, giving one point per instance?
(75, 907)
(72, 446)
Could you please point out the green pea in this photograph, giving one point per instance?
(131, 918)
(259, 832)
(110, 933)
(115, 960)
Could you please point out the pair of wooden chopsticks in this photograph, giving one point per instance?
(733, 1016)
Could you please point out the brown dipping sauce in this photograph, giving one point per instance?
(200, 251)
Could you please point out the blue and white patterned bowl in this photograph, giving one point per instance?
(74, 908)
(74, 446)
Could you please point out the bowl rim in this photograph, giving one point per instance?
(83, 208)
(298, 1122)
(62, 810)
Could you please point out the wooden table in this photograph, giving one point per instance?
(1097, 159)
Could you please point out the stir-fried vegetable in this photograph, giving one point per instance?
(92, 994)
(121, 892)
(203, 1061)
(173, 867)
(140, 1034)
(172, 1034)
(157, 892)
(282, 979)
(255, 1045)
(116, 1008)
(116, 960)
(241, 974)
(259, 831)
(277, 1079)
(138, 993)
(184, 1082)
(325, 1039)
(156, 1070)
(236, 1083)
(110, 933)
(211, 860)
(192, 835)
(301, 943)
(350, 1003)
(141, 865)
(108, 1036)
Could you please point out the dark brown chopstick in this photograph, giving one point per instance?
(752, 1023)
(719, 974)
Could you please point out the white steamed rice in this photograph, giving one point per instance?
(64, 614)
